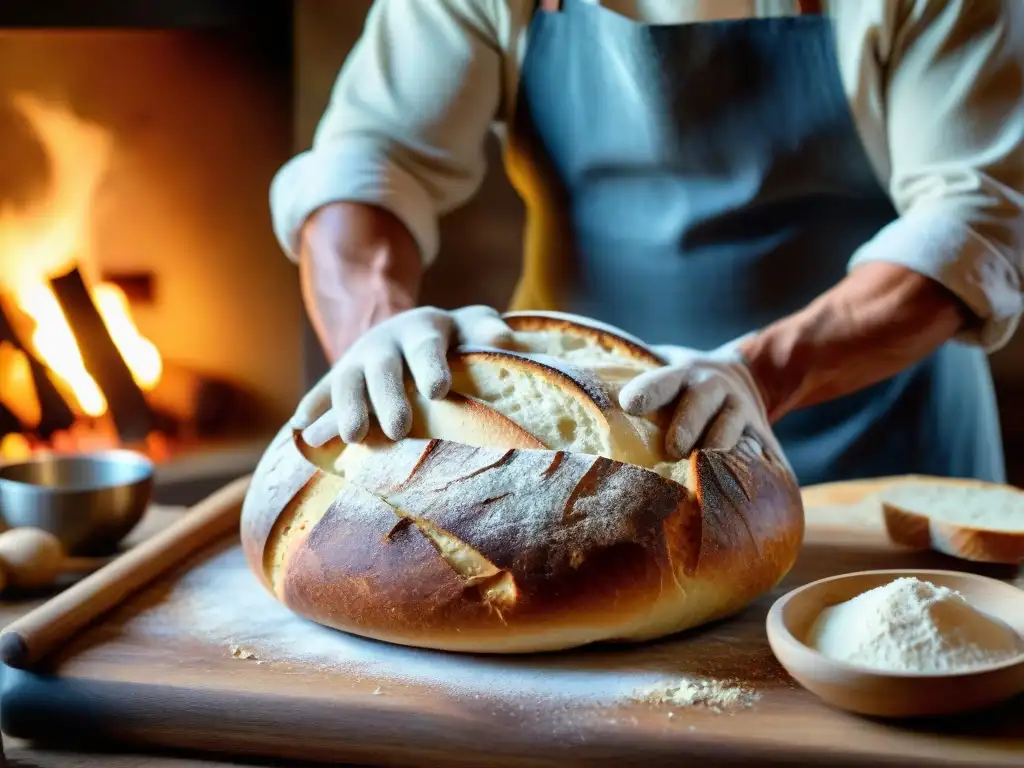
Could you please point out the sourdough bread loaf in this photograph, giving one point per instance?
(525, 512)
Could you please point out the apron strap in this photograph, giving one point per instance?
(551, 6)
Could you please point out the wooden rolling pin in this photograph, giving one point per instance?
(31, 558)
(29, 639)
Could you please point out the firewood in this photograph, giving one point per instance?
(55, 413)
(127, 403)
(8, 421)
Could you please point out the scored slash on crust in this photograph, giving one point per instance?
(496, 586)
(503, 459)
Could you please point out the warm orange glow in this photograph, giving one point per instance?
(52, 233)
(54, 344)
(16, 387)
(15, 447)
(47, 238)
(138, 352)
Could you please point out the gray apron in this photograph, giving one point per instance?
(691, 183)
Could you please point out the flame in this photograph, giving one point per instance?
(139, 353)
(15, 447)
(54, 343)
(17, 386)
(50, 236)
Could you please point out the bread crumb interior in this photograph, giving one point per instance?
(543, 408)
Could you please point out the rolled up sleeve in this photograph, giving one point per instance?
(406, 122)
(954, 113)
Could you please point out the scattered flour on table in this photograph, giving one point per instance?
(221, 603)
(243, 653)
(909, 625)
(716, 695)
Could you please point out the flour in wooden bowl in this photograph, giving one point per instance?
(909, 625)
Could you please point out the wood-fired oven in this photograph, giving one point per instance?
(143, 299)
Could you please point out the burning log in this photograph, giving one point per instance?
(55, 413)
(9, 423)
(127, 404)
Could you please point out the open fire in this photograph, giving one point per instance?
(75, 372)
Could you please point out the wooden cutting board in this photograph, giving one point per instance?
(204, 659)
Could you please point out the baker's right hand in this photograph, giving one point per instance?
(371, 373)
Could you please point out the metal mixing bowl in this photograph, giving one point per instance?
(88, 501)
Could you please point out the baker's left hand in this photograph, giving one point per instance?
(719, 400)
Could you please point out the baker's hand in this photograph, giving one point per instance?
(718, 400)
(371, 373)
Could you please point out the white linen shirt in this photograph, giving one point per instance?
(935, 87)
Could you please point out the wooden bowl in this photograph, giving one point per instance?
(894, 694)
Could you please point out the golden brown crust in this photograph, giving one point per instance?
(592, 526)
(749, 517)
(906, 528)
(516, 547)
(278, 478)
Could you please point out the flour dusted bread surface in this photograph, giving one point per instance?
(525, 512)
(969, 519)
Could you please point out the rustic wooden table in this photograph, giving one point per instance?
(828, 509)
(20, 754)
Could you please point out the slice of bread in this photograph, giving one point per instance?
(968, 519)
